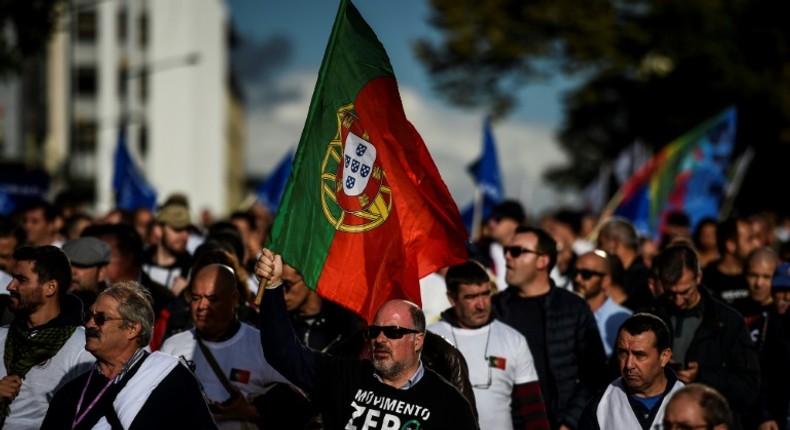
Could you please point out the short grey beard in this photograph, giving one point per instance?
(392, 371)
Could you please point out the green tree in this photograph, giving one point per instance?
(649, 69)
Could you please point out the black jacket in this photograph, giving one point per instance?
(574, 351)
(774, 398)
(727, 358)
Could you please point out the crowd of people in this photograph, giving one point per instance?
(146, 319)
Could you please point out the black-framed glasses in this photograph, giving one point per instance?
(587, 273)
(516, 251)
(99, 317)
(390, 331)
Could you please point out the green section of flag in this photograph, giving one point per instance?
(301, 232)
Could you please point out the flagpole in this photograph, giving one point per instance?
(477, 214)
(734, 186)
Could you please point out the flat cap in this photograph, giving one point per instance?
(175, 215)
(87, 251)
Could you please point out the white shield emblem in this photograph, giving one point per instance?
(358, 158)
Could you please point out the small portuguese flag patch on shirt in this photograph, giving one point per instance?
(497, 362)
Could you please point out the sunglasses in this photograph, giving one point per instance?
(98, 317)
(516, 251)
(587, 274)
(390, 331)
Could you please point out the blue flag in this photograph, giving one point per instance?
(270, 191)
(485, 170)
(131, 189)
(488, 179)
(689, 174)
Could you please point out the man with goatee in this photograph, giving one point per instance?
(44, 345)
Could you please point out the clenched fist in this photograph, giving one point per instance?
(269, 268)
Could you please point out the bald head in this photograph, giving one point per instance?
(695, 403)
(763, 254)
(213, 300)
(407, 314)
(220, 275)
(759, 269)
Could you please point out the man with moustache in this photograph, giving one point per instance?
(44, 344)
(638, 397)
(128, 387)
(393, 390)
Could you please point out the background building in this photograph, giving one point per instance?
(159, 68)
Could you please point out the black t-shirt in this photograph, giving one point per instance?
(348, 393)
(528, 316)
(635, 283)
(728, 288)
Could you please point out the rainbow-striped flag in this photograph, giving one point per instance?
(689, 174)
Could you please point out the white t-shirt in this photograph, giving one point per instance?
(43, 380)
(240, 358)
(494, 368)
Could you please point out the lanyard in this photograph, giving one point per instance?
(128, 365)
(78, 418)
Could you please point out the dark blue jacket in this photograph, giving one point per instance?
(574, 351)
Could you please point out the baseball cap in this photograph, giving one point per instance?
(87, 251)
(175, 215)
(781, 280)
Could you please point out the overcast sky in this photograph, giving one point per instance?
(279, 64)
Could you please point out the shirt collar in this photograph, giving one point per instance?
(411, 382)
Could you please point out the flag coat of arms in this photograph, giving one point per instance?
(365, 213)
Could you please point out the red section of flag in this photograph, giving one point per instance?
(423, 231)
(240, 375)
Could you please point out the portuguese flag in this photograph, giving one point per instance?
(365, 213)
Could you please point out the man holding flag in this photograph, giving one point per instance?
(365, 213)
(392, 390)
(364, 216)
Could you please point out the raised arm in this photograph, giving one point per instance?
(281, 347)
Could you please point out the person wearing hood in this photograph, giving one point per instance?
(45, 343)
(503, 377)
